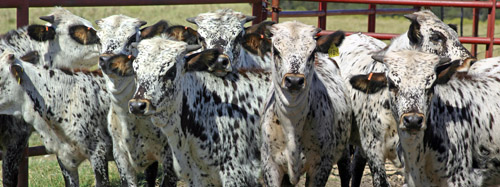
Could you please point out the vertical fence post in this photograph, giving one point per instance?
(22, 176)
(371, 17)
(275, 9)
(22, 13)
(491, 29)
(475, 24)
(257, 12)
(322, 19)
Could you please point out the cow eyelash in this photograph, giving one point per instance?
(392, 86)
(436, 37)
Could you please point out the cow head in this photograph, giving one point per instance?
(117, 66)
(431, 35)
(410, 78)
(118, 32)
(11, 93)
(222, 30)
(75, 41)
(294, 54)
(156, 71)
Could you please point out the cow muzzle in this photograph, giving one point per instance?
(413, 122)
(293, 82)
(140, 106)
(222, 66)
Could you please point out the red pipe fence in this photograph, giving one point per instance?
(259, 9)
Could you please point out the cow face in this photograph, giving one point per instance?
(410, 79)
(75, 41)
(117, 65)
(431, 35)
(222, 30)
(156, 70)
(117, 33)
(11, 93)
(294, 49)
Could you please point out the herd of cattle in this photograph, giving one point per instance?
(226, 105)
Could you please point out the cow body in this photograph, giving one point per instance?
(211, 123)
(70, 115)
(377, 130)
(445, 117)
(137, 143)
(305, 129)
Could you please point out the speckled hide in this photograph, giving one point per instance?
(59, 44)
(14, 135)
(305, 125)
(137, 143)
(445, 116)
(377, 128)
(223, 29)
(67, 108)
(212, 124)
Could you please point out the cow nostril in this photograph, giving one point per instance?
(294, 82)
(413, 121)
(138, 107)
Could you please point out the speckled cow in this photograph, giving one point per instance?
(223, 30)
(445, 115)
(377, 128)
(67, 108)
(306, 119)
(212, 124)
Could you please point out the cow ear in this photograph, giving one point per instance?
(183, 33)
(121, 65)
(15, 68)
(414, 30)
(84, 35)
(154, 30)
(41, 33)
(202, 60)
(370, 83)
(261, 28)
(445, 71)
(325, 42)
(256, 44)
(453, 26)
(31, 57)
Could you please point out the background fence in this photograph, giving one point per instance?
(263, 9)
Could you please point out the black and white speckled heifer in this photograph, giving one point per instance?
(67, 108)
(306, 120)
(212, 124)
(445, 115)
(377, 128)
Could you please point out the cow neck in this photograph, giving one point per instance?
(121, 89)
(400, 43)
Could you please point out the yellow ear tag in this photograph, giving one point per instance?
(333, 51)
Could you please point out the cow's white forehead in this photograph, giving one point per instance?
(293, 32)
(411, 67)
(157, 55)
(63, 16)
(223, 15)
(118, 21)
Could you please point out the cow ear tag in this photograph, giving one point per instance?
(333, 51)
(16, 71)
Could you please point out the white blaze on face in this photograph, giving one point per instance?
(117, 32)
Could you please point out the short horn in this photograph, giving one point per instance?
(190, 48)
(49, 19)
(191, 20)
(443, 60)
(142, 23)
(250, 18)
(411, 17)
(378, 58)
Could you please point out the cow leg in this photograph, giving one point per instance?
(169, 176)
(70, 175)
(128, 176)
(13, 154)
(150, 173)
(100, 166)
(319, 173)
(377, 167)
(343, 167)
(357, 167)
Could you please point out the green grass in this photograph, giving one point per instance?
(44, 170)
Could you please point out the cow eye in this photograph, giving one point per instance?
(311, 57)
(170, 75)
(436, 37)
(276, 52)
(392, 85)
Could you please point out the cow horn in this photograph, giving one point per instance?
(134, 44)
(191, 20)
(411, 17)
(49, 19)
(444, 59)
(142, 23)
(190, 48)
(378, 58)
(249, 18)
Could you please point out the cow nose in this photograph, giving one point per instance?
(137, 106)
(221, 66)
(103, 60)
(223, 60)
(413, 121)
(294, 82)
